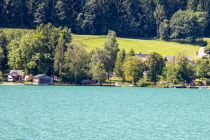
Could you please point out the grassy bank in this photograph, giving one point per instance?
(139, 45)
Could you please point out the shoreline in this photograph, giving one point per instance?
(71, 85)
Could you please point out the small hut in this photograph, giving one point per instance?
(15, 75)
(42, 79)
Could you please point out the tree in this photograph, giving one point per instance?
(118, 70)
(97, 63)
(203, 68)
(131, 53)
(14, 56)
(207, 49)
(133, 69)
(76, 64)
(61, 12)
(40, 15)
(164, 30)
(155, 65)
(1, 57)
(160, 16)
(198, 5)
(98, 73)
(187, 25)
(192, 4)
(185, 72)
(86, 18)
(35, 55)
(170, 72)
(3, 51)
(111, 50)
(1, 13)
(63, 41)
(37, 51)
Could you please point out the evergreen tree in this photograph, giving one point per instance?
(23, 15)
(40, 15)
(131, 53)
(61, 12)
(129, 18)
(86, 18)
(3, 52)
(1, 13)
(159, 16)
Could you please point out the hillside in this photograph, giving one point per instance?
(139, 45)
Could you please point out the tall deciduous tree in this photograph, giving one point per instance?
(76, 64)
(63, 41)
(203, 68)
(185, 72)
(155, 66)
(118, 70)
(111, 49)
(170, 72)
(98, 73)
(97, 63)
(133, 69)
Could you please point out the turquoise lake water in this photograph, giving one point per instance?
(103, 113)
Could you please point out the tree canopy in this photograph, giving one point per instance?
(131, 18)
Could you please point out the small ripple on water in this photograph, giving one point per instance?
(37, 113)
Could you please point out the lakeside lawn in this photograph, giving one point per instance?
(147, 46)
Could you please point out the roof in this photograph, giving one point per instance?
(170, 58)
(16, 72)
(142, 55)
(189, 58)
(41, 76)
(173, 58)
(208, 52)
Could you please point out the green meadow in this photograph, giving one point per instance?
(90, 42)
(138, 45)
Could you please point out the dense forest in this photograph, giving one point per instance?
(130, 18)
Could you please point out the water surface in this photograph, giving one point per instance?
(103, 113)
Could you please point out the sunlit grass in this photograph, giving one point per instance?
(139, 45)
(90, 42)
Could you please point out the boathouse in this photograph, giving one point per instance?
(42, 79)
